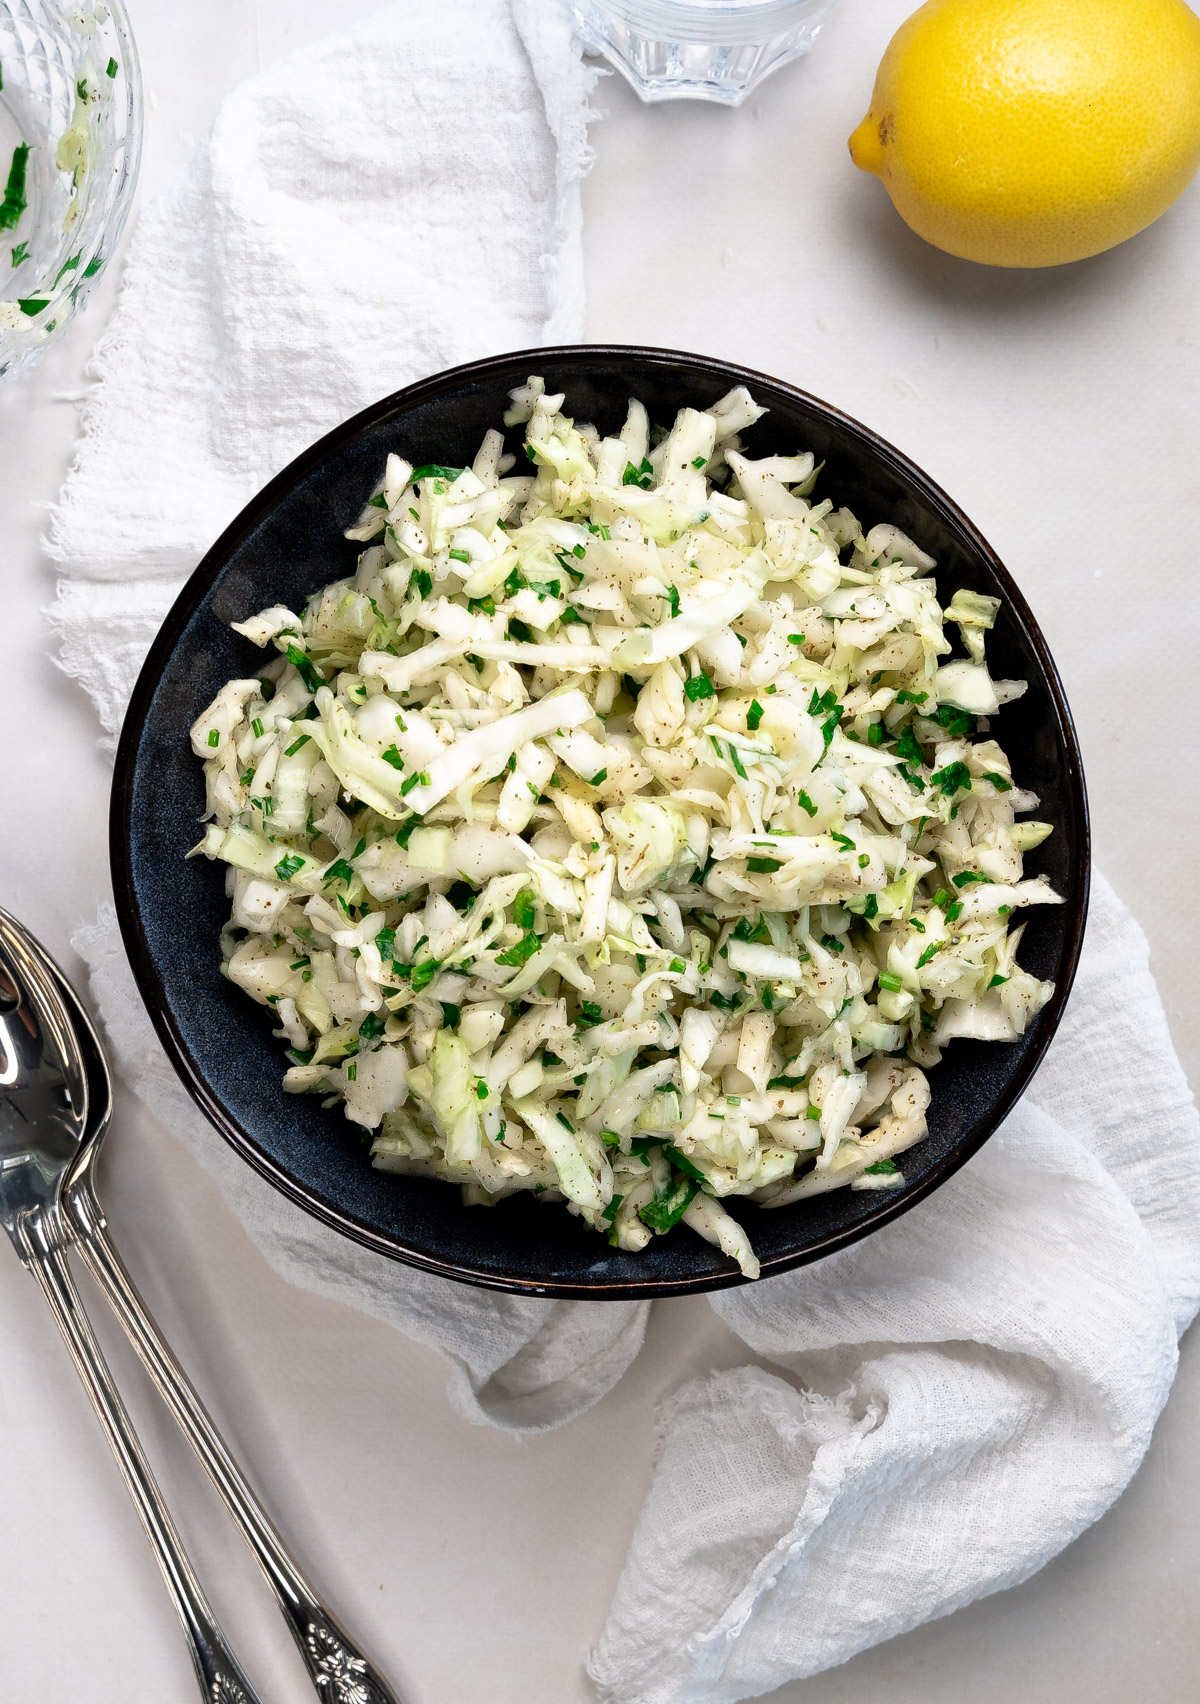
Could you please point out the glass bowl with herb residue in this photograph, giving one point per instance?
(70, 141)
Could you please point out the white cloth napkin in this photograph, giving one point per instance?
(955, 1398)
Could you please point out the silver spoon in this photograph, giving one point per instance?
(338, 1670)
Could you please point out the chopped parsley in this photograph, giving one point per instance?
(697, 687)
(667, 1209)
(524, 950)
(954, 778)
(14, 203)
(956, 722)
(304, 666)
(423, 974)
(434, 471)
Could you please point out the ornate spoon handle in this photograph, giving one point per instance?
(339, 1671)
(221, 1680)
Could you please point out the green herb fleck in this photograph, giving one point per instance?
(954, 778)
(14, 203)
(956, 722)
(434, 471)
(666, 1210)
(305, 668)
(524, 950)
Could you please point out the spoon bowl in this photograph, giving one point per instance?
(43, 1085)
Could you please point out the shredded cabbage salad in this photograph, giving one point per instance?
(624, 829)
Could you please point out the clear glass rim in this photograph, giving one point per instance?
(715, 22)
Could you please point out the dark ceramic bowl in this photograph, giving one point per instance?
(287, 543)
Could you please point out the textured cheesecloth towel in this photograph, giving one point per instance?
(940, 1409)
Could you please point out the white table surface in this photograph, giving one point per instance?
(1060, 409)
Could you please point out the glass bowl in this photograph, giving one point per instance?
(70, 142)
(716, 50)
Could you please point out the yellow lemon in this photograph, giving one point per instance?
(1034, 132)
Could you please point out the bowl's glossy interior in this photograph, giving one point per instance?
(289, 542)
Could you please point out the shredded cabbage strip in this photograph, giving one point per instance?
(624, 830)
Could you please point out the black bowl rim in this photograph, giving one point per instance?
(197, 588)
